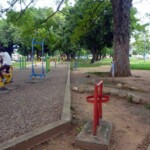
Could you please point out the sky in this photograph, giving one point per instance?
(143, 6)
(42, 3)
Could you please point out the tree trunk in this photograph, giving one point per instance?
(94, 54)
(68, 56)
(93, 58)
(121, 12)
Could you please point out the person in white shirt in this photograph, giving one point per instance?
(6, 63)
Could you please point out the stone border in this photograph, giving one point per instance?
(86, 140)
(44, 133)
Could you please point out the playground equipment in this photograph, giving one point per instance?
(7, 76)
(74, 64)
(22, 62)
(98, 98)
(58, 59)
(55, 60)
(47, 63)
(63, 58)
(34, 74)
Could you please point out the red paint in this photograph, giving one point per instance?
(98, 98)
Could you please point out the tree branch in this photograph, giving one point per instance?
(45, 20)
(11, 5)
(23, 10)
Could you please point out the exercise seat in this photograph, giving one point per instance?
(7, 76)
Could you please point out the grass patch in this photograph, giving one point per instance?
(86, 63)
(79, 128)
(147, 106)
(138, 64)
(130, 98)
(17, 64)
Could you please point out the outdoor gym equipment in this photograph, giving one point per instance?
(55, 60)
(98, 98)
(7, 76)
(75, 64)
(47, 64)
(34, 74)
(23, 62)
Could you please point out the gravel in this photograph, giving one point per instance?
(31, 105)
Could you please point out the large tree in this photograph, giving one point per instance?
(121, 12)
(92, 26)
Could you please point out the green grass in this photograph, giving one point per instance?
(86, 63)
(147, 106)
(138, 64)
(17, 64)
(135, 64)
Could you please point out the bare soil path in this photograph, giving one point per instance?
(131, 122)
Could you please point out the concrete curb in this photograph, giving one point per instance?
(101, 141)
(44, 133)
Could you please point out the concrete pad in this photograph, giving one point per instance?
(87, 141)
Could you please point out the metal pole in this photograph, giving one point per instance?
(113, 69)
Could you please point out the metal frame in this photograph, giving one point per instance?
(42, 74)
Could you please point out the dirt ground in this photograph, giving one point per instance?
(29, 104)
(131, 122)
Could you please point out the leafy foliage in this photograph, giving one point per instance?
(86, 26)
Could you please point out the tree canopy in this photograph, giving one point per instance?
(89, 25)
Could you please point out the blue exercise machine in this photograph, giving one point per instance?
(34, 74)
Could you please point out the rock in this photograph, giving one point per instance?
(134, 88)
(81, 89)
(77, 82)
(119, 85)
(136, 76)
(114, 92)
(75, 88)
(134, 99)
(122, 94)
(119, 93)
(127, 86)
(89, 89)
(148, 147)
(89, 82)
(106, 90)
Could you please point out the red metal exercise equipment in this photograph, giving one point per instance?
(98, 98)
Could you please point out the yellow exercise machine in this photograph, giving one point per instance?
(8, 77)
